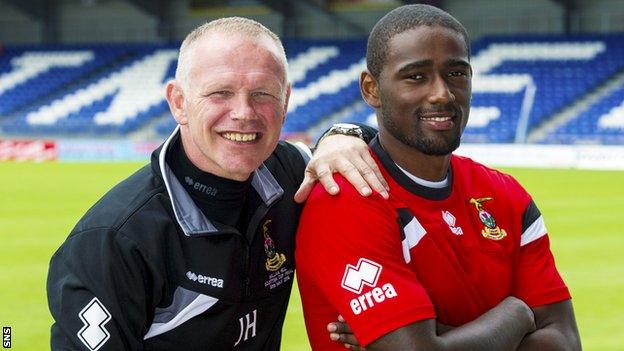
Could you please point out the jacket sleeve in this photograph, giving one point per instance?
(368, 133)
(98, 293)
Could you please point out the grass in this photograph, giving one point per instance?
(583, 212)
(40, 203)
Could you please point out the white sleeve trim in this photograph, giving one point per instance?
(414, 232)
(201, 304)
(534, 232)
(304, 150)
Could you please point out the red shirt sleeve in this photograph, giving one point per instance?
(537, 281)
(350, 262)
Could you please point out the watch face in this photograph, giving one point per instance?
(346, 129)
(346, 126)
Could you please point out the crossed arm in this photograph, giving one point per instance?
(511, 325)
(556, 329)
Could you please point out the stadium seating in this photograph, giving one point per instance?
(603, 122)
(519, 83)
(115, 99)
(27, 73)
(560, 69)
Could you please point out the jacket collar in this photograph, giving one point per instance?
(190, 218)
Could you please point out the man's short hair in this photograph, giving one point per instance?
(228, 26)
(400, 20)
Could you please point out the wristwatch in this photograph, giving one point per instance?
(343, 129)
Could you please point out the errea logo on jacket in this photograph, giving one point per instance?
(366, 273)
(94, 317)
(216, 282)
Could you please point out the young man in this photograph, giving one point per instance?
(458, 258)
(196, 250)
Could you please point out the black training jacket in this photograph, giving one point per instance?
(144, 269)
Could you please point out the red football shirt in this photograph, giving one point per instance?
(450, 253)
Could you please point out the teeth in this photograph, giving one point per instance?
(240, 136)
(437, 119)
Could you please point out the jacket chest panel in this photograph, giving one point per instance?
(228, 266)
(229, 326)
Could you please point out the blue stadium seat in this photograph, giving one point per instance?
(116, 89)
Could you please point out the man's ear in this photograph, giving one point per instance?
(286, 99)
(175, 99)
(368, 88)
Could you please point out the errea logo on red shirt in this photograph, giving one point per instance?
(366, 273)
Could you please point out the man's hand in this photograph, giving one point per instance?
(350, 157)
(340, 332)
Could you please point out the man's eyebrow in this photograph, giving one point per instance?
(415, 65)
(457, 62)
(213, 85)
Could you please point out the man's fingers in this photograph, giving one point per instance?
(351, 157)
(340, 332)
(353, 175)
(316, 172)
(304, 189)
(339, 328)
(326, 178)
(344, 339)
(366, 156)
(372, 176)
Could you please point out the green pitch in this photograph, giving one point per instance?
(39, 204)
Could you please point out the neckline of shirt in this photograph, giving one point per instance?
(429, 184)
(408, 183)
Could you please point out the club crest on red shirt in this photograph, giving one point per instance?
(490, 229)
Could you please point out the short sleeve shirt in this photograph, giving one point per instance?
(451, 253)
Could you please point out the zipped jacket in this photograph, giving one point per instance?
(145, 269)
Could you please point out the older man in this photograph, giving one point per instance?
(458, 258)
(196, 250)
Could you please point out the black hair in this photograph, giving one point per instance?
(400, 20)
